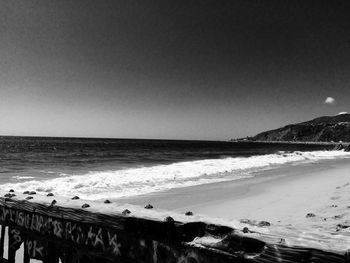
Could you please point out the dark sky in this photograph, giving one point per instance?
(170, 69)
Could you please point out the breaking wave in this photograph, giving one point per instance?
(136, 181)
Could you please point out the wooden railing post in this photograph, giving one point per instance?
(2, 241)
(11, 250)
(26, 258)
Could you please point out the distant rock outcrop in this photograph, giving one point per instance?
(322, 129)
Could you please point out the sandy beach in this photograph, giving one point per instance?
(309, 202)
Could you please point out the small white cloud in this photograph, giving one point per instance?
(329, 100)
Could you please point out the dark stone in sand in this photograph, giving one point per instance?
(53, 203)
(189, 213)
(246, 230)
(75, 197)
(9, 195)
(29, 197)
(310, 215)
(341, 226)
(32, 193)
(334, 206)
(282, 241)
(85, 206)
(50, 194)
(12, 191)
(26, 192)
(264, 223)
(107, 201)
(169, 219)
(245, 221)
(338, 216)
(126, 212)
(149, 206)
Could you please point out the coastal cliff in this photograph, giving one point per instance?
(322, 129)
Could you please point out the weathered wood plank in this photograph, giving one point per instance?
(77, 235)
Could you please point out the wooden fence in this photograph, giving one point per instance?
(59, 234)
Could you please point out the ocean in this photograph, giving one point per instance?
(113, 168)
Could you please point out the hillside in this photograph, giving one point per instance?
(322, 129)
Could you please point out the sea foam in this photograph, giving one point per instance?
(136, 181)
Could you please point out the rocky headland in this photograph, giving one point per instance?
(322, 129)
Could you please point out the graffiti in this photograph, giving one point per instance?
(113, 243)
(36, 249)
(15, 238)
(4, 214)
(27, 221)
(70, 231)
(95, 239)
(44, 236)
(20, 219)
(12, 215)
(75, 233)
(57, 228)
(81, 234)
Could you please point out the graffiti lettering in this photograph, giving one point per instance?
(99, 239)
(113, 243)
(27, 221)
(20, 219)
(90, 237)
(33, 222)
(69, 230)
(57, 228)
(15, 239)
(12, 216)
(35, 250)
(81, 234)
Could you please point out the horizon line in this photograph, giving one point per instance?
(110, 138)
